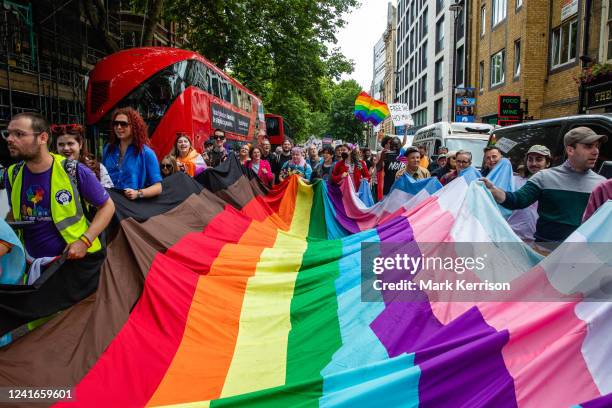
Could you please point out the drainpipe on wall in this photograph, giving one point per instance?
(585, 58)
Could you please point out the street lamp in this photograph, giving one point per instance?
(456, 8)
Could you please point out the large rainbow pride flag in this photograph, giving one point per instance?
(240, 298)
(368, 109)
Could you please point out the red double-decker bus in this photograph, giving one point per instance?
(277, 129)
(177, 92)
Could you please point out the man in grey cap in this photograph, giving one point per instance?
(563, 191)
(537, 158)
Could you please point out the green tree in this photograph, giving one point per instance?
(278, 49)
(342, 122)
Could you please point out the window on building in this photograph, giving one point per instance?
(564, 43)
(424, 88)
(519, 3)
(517, 58)
(460, 65)
(498, 61)
(410, 102)
(483, 20)
(439, 6)
(424, 56)
(460, 25)
(411, 69)
(424, 23)
(481, 76)
(438, 110)
(420, 117)
(440, 35)
(439, 75)
(499, 11)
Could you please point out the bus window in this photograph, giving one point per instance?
(272, 127)
(240, 99)
(249, 106)
(235, 99)
(215, 85)
(226, 91)
(154, 96)
(197, 76)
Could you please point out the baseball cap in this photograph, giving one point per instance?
(582, 134)
(539, 149)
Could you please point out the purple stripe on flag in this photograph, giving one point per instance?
(601, 402)
(335, 195)
(461, 363)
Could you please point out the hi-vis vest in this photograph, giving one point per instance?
(65, 202)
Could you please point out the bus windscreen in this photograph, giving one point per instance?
(272, 127)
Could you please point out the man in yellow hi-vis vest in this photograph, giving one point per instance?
(47, 189)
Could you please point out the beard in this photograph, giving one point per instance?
(26, 155)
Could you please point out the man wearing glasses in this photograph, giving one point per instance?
(218, 154)
(46, 188)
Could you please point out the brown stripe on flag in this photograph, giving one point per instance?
(62, 351)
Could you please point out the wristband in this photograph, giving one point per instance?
(140, 194)
(85, 240)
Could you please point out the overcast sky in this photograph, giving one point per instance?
(365, 25)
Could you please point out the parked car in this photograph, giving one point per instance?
(514, 141)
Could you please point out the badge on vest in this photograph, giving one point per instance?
(63, 197)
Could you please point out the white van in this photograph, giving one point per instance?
(472, 137)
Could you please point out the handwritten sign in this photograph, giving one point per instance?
(400, 114)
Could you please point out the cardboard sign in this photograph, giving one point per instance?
(505, 145)
(400, 114)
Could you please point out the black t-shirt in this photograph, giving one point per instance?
(326, 170)
(391, 166)
(280, 160)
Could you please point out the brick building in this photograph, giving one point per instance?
(596, 90)
(529, 48)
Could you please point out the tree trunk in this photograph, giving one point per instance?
(153, 15)
(96, 14)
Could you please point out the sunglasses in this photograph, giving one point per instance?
(69, 129)
(219, 137)
(166, 166)
(120, 123)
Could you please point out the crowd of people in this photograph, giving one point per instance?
(59, 202)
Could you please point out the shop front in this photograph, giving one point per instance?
(596, 96)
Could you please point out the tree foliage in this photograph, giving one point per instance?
(343, 124)
(278, 49)
(282, 50)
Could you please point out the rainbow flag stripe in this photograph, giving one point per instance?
(368, 109)
(259, 303)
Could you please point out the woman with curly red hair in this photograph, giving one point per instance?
(131, 164)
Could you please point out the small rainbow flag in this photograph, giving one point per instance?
(368, 109)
